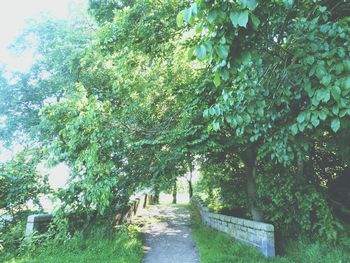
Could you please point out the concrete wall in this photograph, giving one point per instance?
(40, 222)
(258, 234)
(134, 208)
(37, 223)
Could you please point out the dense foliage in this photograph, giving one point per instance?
(255, 93)
(282, 78)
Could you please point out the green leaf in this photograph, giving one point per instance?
(322, 115)
(190, 53)
(335, 110)
(201, 52)
(322, 9)
(222, 51)
(335, 91)
(212, 111)
(208, 46)
(321, 71)
(180, 19)
(308, 88)
(346, 64)
(346, 83)
(301, 117)
(217, 110)
(294, 129)
(217, 79)
(323, 95)
(326, 96)
(239, 119)
(231, 121)
(326, 80)
(250, 109)
(243, 3)
(212, 16)
(255, 21)
(302, 127)
(234, 18)
(342, 113)
(335, 125)
(205, 113)
(310, 60)
(251, 4)
(247, 119)
(225, 75)
(187, 14)
(240, 131)
(243, 18)
(288, 2)
(246, 57)
(315, 121)
(225, 96)
(191, 21)
(194, 9)
(223, 40)
(216, 126)
(339, 68)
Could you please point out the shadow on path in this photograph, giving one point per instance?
(168, 237)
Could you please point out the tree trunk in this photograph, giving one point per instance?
(150, 200)
(156, 195)
(305, 172)
(174, 193)
(210, 192)
(250, 163)
(190, 187)
(145, 202)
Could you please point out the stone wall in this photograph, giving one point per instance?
(258, 234)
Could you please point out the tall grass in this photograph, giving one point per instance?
(122, 246)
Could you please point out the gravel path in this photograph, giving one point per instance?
(168, 237)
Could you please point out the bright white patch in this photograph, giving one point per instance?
(7, 154)
(13, 18)
(58, 175)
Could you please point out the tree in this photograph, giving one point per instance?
(59, 46)
(20, 182)
(264, 65)
(126, 106)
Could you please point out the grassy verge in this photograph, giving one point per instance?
(122, 246)
(215, 247)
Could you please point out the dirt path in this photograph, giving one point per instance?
(168, 237)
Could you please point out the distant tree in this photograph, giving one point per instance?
(20, 182)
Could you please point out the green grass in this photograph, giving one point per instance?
(215, 247)
(123, 246)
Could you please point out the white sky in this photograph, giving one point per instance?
(13, 16)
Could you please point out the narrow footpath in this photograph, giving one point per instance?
(167, 236)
